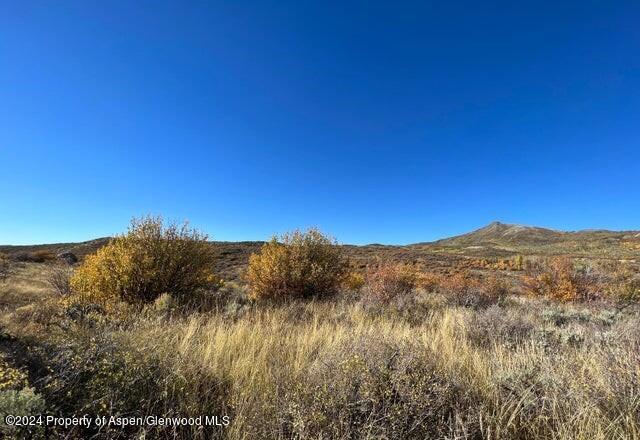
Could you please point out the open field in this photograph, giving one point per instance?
(447, 360)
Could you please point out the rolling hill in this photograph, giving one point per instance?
(495, 240)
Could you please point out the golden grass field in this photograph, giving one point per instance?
(424, 367)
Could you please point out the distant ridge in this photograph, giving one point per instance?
(80, 249)
(494, 239)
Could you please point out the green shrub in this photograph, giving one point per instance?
(24, 402)
(384, 389)
(147, 261)
(299, 265)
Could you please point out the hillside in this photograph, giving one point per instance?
(496, 240)
(497, 233)
(501, 239)
(80, 249)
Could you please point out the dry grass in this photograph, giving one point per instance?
(526, 368)
(27, 284)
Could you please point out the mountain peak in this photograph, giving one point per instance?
(499, 227)
(497, 233)
(496, 225)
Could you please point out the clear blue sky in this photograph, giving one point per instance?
(390, 122)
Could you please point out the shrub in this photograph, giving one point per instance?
(147, 261)
(24, 402)
(458, 282)
(17, 399)
(494, 288)
(518, 262)
(105, 375)
(4, 267)
(354, 281)
(41, 256)
(629, 290)
(298, 265)
(390, 282)
(624, 287)
(41, 316)
(558, 279)
(376, 389)
(11, 378)
(462, 289)
(497, 324)
(59, 278)
(429, 281)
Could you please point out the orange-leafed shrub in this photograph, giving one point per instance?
(465, 290)
(42, 256)
(460, 289)
(429, 281)
(558, 279)
(39, 256)
(515, 263)
(150, 259)
(297, 265)
(390, 282)
(458, 282)
(494, 287)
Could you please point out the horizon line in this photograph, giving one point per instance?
(496, 222)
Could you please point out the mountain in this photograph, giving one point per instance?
(497, 233)
(503, 238)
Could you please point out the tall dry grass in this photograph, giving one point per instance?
(328, 371)
(525, 368)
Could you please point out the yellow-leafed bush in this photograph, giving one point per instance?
(353, 281)
(11, 378)
(558, 279)
(150, 259)
(297, 265)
